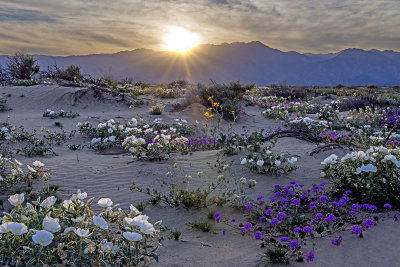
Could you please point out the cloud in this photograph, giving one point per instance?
(89, 26)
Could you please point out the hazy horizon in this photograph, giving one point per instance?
(82, 27)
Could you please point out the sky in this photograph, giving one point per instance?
(78, 27)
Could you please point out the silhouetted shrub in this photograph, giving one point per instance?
(292, 92)
(21, 66)
(353, 103)
(179, 84)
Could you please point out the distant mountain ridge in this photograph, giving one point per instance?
(251, 62)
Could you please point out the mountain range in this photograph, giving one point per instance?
(251, 62)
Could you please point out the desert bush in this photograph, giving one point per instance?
(3, 105)
(291, 93)
(227, 95)
(21, 66)
(156, 109)
(71, 73)
(73, 235)
(372, 175)
(179, 84)
(350, 103)
(167, 93)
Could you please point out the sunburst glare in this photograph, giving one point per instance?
(181, 40)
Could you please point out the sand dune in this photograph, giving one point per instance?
(110, 175)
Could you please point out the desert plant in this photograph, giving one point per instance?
(372, 176)
(156, 109)
(21, 66)
(72, 234)
(71, 73)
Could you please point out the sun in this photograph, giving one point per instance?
(181, 40)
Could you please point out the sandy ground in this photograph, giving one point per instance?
(111, 175)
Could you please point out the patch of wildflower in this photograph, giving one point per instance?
(73, 235)
(60, 114)
(296, 215)
(269, 162)
(371, 175)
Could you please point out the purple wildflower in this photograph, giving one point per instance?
(314, 221)
(333, 204)
(277, 186)
(249, 207)
(347, 192)
(322, 184)
(310, 256)
(297, 229)
(332, 217)
(318, 216)
(233, 220)
(356, 230)
(365, 206)
(278, 193)
(337, 241)
(258, 235)
(352, 212)
(388, 206)
(284, 201)
(293, 182)
(294, 244)
(272, 200)
(247, 226)
(223, 233)
(295, 201)
(396, 217)
(323, 199)
(260, 197)
(275, 221)
(281, 216)
(269, 212)
(372, 208)
(284, 239)
(307, 229)
(217, 217)
(262, 218)
(355, 206)
(369, 223)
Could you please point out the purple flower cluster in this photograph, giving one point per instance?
(310, 256)
(356, 230)
(217, 217)
(369, 223)
(337, 241)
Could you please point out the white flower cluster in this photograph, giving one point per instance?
(57, 225)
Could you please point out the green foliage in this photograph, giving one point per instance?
(204, 226)
(176, 234)
(274, 256)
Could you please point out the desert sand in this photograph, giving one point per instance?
(109, 174)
